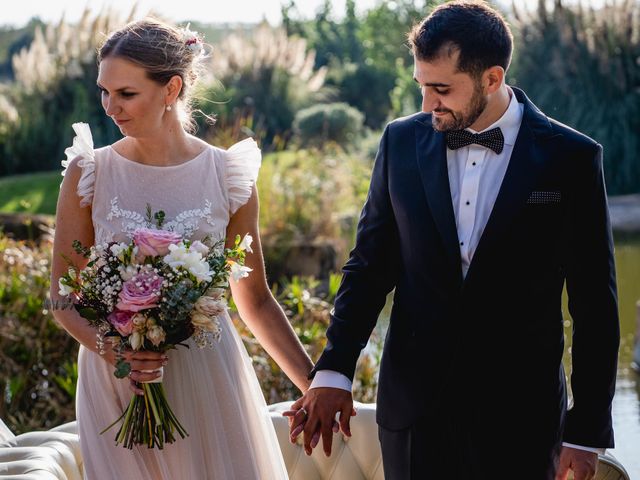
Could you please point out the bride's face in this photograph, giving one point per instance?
(134, 102)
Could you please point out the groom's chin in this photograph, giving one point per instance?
(439, 125)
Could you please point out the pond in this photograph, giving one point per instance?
(626, 404)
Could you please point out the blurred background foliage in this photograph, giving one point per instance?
(316, 93)
(578, 64)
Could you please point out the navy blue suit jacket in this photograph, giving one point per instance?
(490, 343)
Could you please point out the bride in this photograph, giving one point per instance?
(146, 73)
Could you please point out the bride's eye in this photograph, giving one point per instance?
(128, 94)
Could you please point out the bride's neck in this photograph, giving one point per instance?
(170, 147)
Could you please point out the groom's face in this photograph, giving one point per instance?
(455, 99)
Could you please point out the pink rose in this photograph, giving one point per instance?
(153, 243)
(140, 292)
(121, 321)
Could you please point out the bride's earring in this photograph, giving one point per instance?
(168, 108)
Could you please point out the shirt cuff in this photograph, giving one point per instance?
(331, 378)
(599, 451)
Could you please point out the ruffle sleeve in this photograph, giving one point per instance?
(83, 148)
(242, 166)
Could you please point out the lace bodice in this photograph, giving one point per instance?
(198, 197)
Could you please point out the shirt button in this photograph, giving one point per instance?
(468, 203)
(474, 164)
(461, 243)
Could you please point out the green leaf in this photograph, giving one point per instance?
(87, 312)
(122, 368)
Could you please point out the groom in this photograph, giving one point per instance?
(480, 210)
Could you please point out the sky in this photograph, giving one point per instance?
(208, 11)
(18, 12)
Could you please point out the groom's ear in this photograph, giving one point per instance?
(492, 79)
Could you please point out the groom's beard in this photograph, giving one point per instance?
(464, 119)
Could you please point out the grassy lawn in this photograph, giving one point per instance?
(33, 193)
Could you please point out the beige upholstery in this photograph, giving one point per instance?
(42, 455)
(55, 454)
(355, 458)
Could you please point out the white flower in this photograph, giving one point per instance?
(118, 249)
(156, 335)
(246, 242)
(192, 40)
(139, 320)
(239, 272)
(128, 272)
(210, 307)
(201, 271)
(199, 320)
(215, 293)
(64, 289)
(199, 247)
(192, 261)
(136, 339)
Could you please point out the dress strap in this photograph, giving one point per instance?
(82, 148)
(242, 166)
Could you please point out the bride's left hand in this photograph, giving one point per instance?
(145, 367)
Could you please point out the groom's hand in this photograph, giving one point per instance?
(583, 463)
(321, 405)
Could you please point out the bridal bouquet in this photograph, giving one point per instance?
(153, 293)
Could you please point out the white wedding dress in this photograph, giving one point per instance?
(214, 392)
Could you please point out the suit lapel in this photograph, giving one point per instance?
(526, 163)
(432, 163)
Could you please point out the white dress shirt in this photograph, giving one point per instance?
(475, 177)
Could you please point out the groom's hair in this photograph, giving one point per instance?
(473, 28)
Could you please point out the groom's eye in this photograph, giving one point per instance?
(441, 91)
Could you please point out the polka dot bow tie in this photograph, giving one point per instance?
(492, 139)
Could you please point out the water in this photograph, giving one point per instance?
(626, 404)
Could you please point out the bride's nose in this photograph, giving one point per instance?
(111, 107)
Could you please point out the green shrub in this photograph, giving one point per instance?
(266, 77)
(581, 66)
(37, 358)
(310, 196)
(333, 122)
(54, 87)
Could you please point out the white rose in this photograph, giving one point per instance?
(156, 335)
(239, 272)
(246, 242)
(64, 289)
(135, 340)
(210, 306)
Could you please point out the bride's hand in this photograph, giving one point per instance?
(145, 365)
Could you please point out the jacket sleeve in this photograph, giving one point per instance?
(368, 276)
(591, 287)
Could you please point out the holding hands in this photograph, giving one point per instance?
(314, 414)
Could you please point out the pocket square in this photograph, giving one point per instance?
(537, 198)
